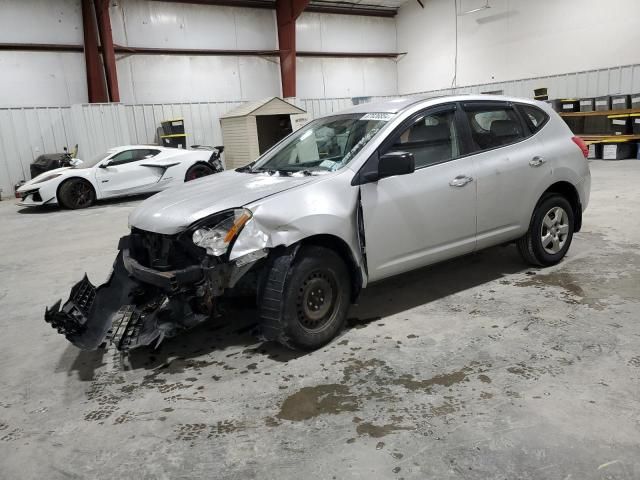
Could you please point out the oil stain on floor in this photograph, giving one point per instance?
(309, 402)
(594, 281)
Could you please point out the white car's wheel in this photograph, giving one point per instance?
(197, 171)
(76, 193)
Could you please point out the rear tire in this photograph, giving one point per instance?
(303, 304)
(76, 193)
(550, 232)
(198, 170)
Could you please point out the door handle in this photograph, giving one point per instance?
(536, 161)
(460, 181)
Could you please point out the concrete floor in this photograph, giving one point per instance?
(474, 369)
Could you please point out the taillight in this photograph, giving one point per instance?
(583, 146)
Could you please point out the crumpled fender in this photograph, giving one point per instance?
(320, 208)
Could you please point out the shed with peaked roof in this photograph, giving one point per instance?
(254, 127)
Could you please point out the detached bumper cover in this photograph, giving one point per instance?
(136, 306)
(139, 305)
(87, 317)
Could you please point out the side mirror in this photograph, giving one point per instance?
(396, 163)
(104, 164)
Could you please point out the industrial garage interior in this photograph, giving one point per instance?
(478, 365)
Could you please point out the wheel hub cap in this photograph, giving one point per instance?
(555, 230)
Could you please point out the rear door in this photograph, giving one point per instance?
(427, 216)
(510, 162)
(125, 173)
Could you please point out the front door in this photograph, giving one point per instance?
(124, 173)
(430, 215)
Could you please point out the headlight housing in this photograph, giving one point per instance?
(215, 240)
(47, 178)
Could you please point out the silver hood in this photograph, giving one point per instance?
(173, 210)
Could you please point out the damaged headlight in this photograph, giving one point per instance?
(216, 239)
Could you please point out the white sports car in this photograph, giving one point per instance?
(120, 171)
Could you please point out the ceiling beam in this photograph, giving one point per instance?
(340, 8)
(350, 54)
(120, 49)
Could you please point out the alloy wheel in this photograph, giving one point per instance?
(555, 230)
(81, 195)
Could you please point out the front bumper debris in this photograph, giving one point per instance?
(87, 319)
(139, 305)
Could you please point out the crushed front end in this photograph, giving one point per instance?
(160, 285)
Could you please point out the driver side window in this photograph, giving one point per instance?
(433, 138)
(129, 156)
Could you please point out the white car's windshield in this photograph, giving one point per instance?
(323, 145)
(94, 160)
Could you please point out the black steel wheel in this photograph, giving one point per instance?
(76, 193)
(304, 301)
(316, 300)
(197, 171)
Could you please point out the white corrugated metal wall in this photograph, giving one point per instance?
(26, 133)
(592, 83)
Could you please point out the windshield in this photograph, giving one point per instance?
(323, 145)
(93, 160)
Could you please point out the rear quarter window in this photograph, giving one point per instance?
(493, 125)
(535, 117)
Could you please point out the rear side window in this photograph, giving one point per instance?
(535, 117)
(493, 126)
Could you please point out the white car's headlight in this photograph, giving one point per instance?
(47, 178)
(216, 239)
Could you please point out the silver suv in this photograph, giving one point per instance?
(349, 199)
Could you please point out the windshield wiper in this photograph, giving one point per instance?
(269, 171)
(246, 168)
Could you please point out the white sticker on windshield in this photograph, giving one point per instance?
(381, 116)
(327, 164)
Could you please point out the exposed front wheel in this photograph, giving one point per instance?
(550, 232)
(76, 193)
(197, 171)
(304, 303)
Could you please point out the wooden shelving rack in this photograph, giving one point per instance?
(594, 138)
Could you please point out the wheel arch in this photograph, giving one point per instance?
(339, 246)
(568, 191)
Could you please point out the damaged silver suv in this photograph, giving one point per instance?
(349, 199)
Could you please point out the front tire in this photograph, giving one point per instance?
(550, 232)
(198, 170)
(303, 304)
(76, 193)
